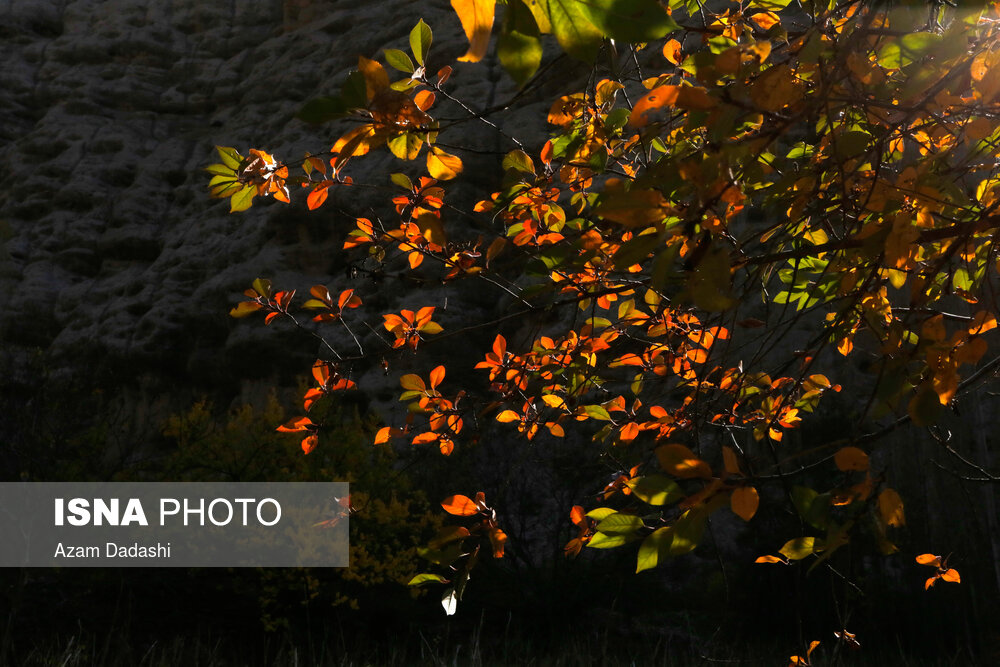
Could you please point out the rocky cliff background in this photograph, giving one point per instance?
(114, 263)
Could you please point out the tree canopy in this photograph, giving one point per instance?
(742, 197)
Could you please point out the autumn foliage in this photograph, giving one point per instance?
(731, 177)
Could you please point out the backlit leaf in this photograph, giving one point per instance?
(477, 22)
(243, 199)
(620, 524)
(443, 166)
(519, 48)
(744, 502)
(655, 489)
(654, 549)
(681, 462)
(630, 20)
(798, 548)
(459, 505)
(426, 578)
(576, 35)
(890, 506)
(420, 41)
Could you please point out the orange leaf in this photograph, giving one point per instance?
(659, 97)
(577, 515)
(383, 435)
(295, 425)
(851, 458)
(508, 416)
(681, 462)
(446, 446)
(952, 576)
(765, 19)
(309, 444)
(771, 559)
(318, 196)
(459, 505)
(629, 432)
(477, 21)
(437, 375)
(685, 97)
(929, 559)
(982, 322)
(744, 502)
(672, 51)
(424, 99)
(425, 438)
(498, 538)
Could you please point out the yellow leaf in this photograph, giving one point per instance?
(890, 506)
(744, 502)
(443, 166)
(477, 21)
(851, 458)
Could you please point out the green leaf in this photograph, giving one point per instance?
(519, 49)
(220, 170)
(906, 49)
(688, 530)
(599, 513)
(798, 548)
(620, 524)
(655, 489)
(427, 578)
(604, 541)
(321, 110)
(230, 157)
(813, 507)
(616, 120)
(399, 60)
(243, 199)
(420, 41)
(769, 5)
(629, 20)
(354, 91)
(654, 548)
(402, 180)
(576, 35)
(518, 160)
(597, 412)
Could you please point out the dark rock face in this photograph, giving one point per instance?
(108, 241)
